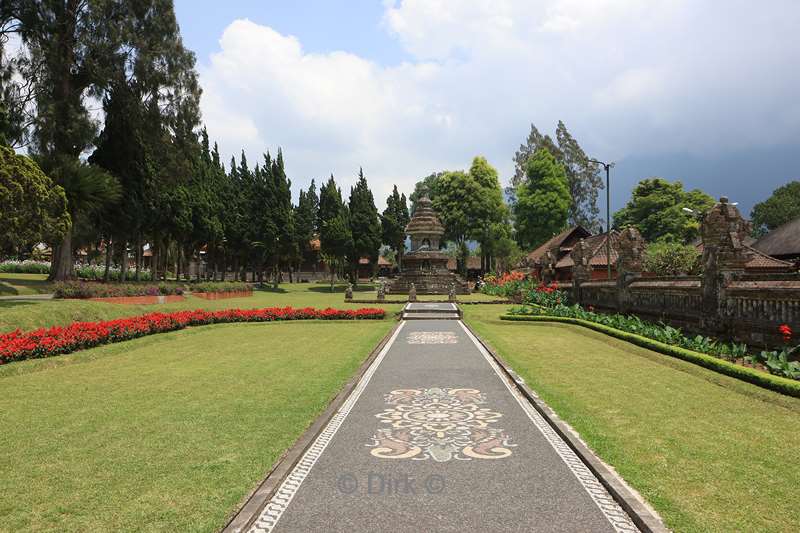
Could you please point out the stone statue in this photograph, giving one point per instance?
(548, 266)
(630, 251)
(581, 255)
(412, 293)
(381, 291)
(348, 292)
(451, 295)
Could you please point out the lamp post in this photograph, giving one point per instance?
(607, 166)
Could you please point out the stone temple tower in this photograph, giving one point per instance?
(425, 265)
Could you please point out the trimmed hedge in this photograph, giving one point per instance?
(751, 375)
(88, 289)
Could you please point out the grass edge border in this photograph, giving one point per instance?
(254, 502)
(641, 512)
(754, 377)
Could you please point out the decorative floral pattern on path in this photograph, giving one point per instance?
(432, 337)
(439, 424)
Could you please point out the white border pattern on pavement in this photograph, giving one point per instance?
(618, 518)
(273, 511)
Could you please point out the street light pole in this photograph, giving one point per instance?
(607, 166)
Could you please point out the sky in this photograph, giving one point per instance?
(704, 91)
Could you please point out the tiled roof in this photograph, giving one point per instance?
(760, 260)
(556, 240)
(597, 243)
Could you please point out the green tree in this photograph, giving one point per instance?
(490, 209)
(365, 225)
(533, 143)
(583, 178)
(336, 238)
(283, 217)
(780, 208)
(671, 258)
(543, 200)
(426, 186)
(459, 204)
(656, 209)
(71, 46)
(307, 223)
(393, 223)
(32, 208)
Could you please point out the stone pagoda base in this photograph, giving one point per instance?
(437, 282)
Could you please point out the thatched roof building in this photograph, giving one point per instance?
(783, 242)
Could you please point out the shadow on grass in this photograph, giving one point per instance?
(7, 290)
(273, 290)
(8, 304)
(326, 289)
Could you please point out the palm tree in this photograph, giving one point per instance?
(89, 189)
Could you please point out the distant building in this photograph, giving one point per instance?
(598, 260)
(782, 243)
(760, 263)
(560, 245)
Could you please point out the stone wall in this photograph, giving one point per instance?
(724, 302)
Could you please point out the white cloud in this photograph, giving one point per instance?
(626, 76)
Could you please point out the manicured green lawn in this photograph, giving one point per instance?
(34, 314)
(31, 314)
(24, 284)
(169, 432)
(709, 452)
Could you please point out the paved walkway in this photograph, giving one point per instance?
(433, 438)
(28, 297)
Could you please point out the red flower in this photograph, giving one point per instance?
(16, 346)
(786, 331)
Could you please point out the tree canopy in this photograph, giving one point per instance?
(656, 209)
(583, 179)
(394, 220)
(781, 207)
(32, 207)
(365, 226)
(543, 200)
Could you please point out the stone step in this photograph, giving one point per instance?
(431, 316)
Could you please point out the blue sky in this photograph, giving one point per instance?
(675, 88)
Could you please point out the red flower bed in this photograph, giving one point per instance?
(18, 345)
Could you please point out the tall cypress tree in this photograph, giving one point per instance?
(283, 216)
(394, 221)
(364, 224)
(306, 222)
(336, 238)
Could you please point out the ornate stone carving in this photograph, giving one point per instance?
(348, 292)
(723, 230)
(548, 265)
(451, 295)
(630, 251)
(581, 254)
(381, 291)
(412, 293)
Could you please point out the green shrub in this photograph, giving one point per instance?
(671, 258)
(96, 273)
(751, 375)
(83, 289)
(27, 266)
(220, 286)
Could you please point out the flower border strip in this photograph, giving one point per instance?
(58, 340)
(761, 379)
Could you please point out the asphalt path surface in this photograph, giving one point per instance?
(433, 438)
